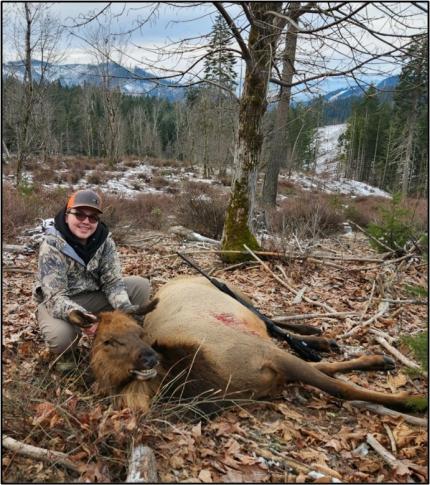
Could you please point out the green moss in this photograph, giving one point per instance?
(416, 290)
(417, 403)
(236, 230)
(419, 345)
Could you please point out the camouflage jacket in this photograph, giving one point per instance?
(62, 274)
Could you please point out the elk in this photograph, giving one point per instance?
(210, 342)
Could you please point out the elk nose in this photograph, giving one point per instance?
(147, 359)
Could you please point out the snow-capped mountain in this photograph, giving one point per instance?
(137, 81)
(344, 88)
(386, 85)
(134, 81)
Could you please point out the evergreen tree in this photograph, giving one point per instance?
(364, 138)
(410, 121)
(386, 143)
(219, 63)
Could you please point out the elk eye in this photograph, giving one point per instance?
(113, 341)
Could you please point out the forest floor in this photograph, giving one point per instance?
(302, 436)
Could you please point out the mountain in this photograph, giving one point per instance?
(338, 93)
(134, 81)
(337, 104)
(342, 87)
(385, 86)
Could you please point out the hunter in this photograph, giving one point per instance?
(79, 269)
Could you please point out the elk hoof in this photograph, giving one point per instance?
(333, 346)
(388, 363)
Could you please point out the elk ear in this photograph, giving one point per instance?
(148, 308)
(82, 319)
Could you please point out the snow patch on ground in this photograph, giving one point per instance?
(136, 180)
(337, 186)
(327, 177)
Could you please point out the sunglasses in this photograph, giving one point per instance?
(81, 216)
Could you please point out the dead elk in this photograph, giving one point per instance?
(216, 345)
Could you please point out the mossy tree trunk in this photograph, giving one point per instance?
(253, 103)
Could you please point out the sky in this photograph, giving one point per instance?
(169, 24)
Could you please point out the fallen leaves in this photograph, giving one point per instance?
(282, 441)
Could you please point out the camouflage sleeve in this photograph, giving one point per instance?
(112, 284)
(53, 282)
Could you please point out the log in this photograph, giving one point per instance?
(15, 269)
(41, 453)
(15, 248)
(383, 308)
(391, 437)
(371, 237)
(402, 467)
(287, 318)
(190, 235)
(399, 356)
(285, 255)
(388, 261)
(383, 411)
(142, 466)
(382, 452)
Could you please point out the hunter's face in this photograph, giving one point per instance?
(82, 222)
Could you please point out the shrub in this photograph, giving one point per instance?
(202, 208)
(287, 187)
(158, 182)
(44, 174)
(364, 210)
(395, 229)
(418, 212)
(97, 177)
(308, 216)
(225, 179)
(146, 211)
(22, 207)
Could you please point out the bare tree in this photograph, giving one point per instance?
(103, 48)
(322, 40)
(35, 37)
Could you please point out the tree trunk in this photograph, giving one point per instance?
(279, 147)
(406, 165)
(28, 87)
(253, 103)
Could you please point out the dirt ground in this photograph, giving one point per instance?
(302, 436)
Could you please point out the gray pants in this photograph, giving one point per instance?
(62, 336)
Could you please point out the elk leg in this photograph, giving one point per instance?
(295, 370)
(364, 363)
(300, 328)
(318, 343)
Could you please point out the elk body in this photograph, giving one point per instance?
(210, 343)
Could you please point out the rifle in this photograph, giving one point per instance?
(301, 347)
